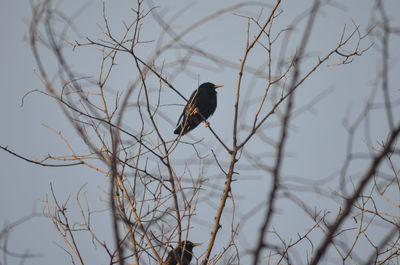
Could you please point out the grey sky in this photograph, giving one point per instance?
(311, 155)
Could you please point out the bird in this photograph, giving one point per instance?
(175, 256)
(199, 108)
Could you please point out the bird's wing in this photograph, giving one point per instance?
(190, 105)
(180, 117)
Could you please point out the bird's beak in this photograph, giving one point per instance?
(196, 244)
(217, 86)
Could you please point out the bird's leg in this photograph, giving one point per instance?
(194, 112)
(206, 124)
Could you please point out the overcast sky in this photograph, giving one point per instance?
(311, 155)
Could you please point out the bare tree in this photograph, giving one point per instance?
(156, 194)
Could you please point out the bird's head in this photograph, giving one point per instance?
(188, 245)
(209, 85)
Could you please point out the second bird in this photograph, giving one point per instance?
(181, 255)
(200, 107)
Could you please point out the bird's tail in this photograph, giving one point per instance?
(178, 130)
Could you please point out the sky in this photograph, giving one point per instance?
(29, 123)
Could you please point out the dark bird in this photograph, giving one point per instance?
(200, 107)
(181, 255)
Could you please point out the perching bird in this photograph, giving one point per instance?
(175, 256)
(200, 107)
